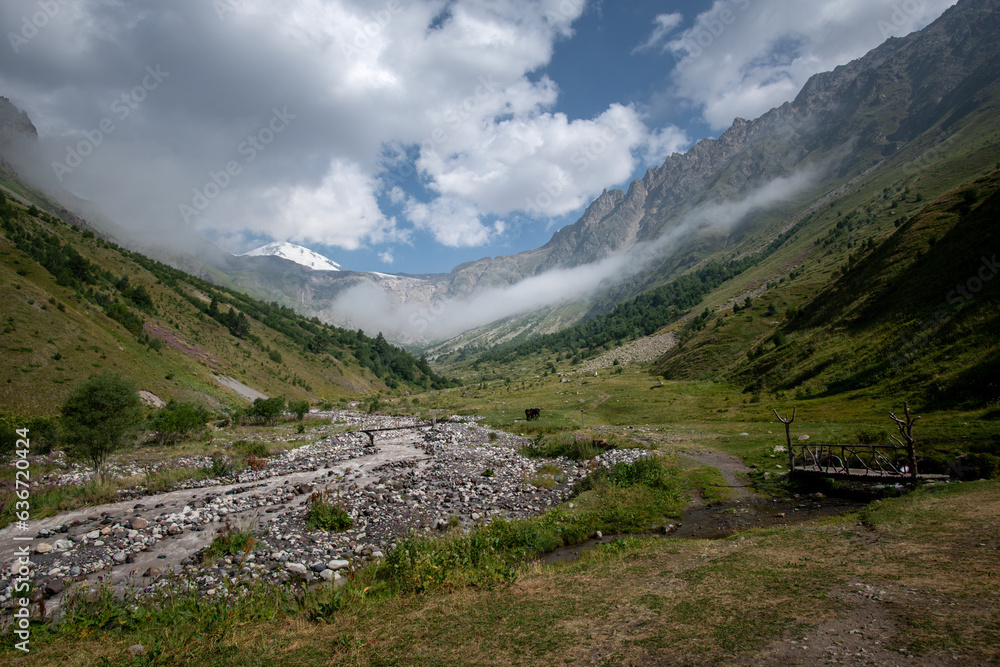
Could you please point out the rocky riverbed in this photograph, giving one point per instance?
(412, 477)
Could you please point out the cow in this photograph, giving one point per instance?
(532, 413)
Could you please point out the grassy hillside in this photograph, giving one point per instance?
(890, 317)
(75, 303)
(844, 289)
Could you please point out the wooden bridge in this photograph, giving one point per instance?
(873, 463)
(883, 463)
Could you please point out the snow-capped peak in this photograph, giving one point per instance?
(297, 254)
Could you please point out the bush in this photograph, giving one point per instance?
(299, 408)
(255, 464)
(125, 317)
(265, 411)
(177, 420)
(324, 514)
(652, 472)
(99, 416)
(220, 467)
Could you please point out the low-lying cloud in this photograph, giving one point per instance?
(370, 308)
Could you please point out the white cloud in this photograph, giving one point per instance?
(665, 24)
(663, 143)
(342, 210)
(543, 164)
(742, 58)
(386, 257)
(453, 222)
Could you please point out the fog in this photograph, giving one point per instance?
(370, 308)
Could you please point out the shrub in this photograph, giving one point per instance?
(256, 464)
(299, 408)
(220, 466)
(652, 472)
(233, 542)
(265, 411)
(324, 514)
(176, 420)
(125, 317)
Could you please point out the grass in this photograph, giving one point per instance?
(233, 542)
(326, 514)
(709, 483)
(633, 601)
(579, 445)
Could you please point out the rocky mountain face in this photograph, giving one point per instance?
(18, 140)
(842, 124)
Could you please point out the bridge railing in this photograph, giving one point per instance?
(853, 460)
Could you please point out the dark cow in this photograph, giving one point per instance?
(532, 413)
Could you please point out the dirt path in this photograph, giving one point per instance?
(732, 469)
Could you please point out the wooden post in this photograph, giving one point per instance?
(788, 436)
(905, 427)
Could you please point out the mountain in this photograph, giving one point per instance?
(880, 112)
(879, 118)
(76, 302)
(294, 253)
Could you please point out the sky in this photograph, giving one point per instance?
(402, 136)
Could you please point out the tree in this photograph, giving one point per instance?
(265, 411)
(99, 417)
(300, 408)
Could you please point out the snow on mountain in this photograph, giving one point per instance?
(297, 254)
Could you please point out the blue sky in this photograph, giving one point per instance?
(401, 136)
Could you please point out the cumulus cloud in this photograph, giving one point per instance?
(453, 222)
(384, 113)
(545, 165)
(361, 80)
(742, 58)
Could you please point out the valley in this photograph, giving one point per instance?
(567, 454)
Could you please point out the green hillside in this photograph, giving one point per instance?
(75, 303)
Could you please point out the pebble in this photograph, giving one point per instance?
(435, 490)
